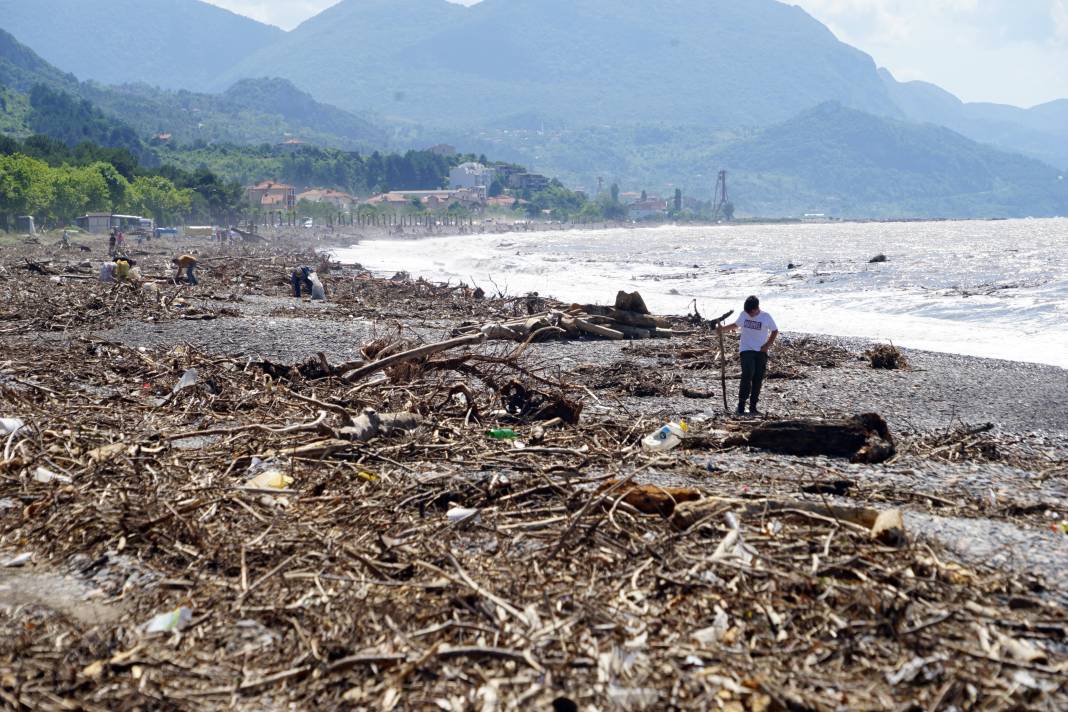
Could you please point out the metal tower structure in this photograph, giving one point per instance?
(719, 196)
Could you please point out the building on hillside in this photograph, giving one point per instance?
(528, 181)
(472, 175)
(645, 209)
(291, 144)
(442, 149)
(272, 195)
(341, 201)
(630, 197)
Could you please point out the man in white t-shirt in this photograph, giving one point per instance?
(758, 333)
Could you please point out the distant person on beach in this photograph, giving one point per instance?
(188, 263)
(758, 334)
(301, 278)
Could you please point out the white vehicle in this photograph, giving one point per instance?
(309, 222)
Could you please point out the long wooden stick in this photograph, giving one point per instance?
(413, 355)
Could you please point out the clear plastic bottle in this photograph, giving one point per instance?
(666, 438)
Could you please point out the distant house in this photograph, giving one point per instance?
(473, 176)
(645, 209)
(630, 197)
(291, 144)
(272, 195)
(442, 149)
(528, 181)
(162, 137)
(341, 201)
(473, 199)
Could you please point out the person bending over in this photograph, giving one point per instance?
(189, 264)
(301, 280)
(758, 334)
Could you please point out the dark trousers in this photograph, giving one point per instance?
(298, 280)
(189, 273)
(754, 366)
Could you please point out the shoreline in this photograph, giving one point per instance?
(367, 529)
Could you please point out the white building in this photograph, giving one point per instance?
(472, 175)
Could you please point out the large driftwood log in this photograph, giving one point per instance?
(861, 438)
(413, 355)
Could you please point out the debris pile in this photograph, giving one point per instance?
(451, 524)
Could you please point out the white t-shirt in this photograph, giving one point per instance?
(754, 330)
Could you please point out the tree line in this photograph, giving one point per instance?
(57, 183)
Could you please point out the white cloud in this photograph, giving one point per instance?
(1007, 51)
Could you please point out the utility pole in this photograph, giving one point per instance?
(719, 196)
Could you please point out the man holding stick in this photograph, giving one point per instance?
(758, 334)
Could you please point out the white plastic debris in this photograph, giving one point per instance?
(171, 621)
(463, 514)
(20, 560)
(44, 476)
(10, 426)
(188, 380)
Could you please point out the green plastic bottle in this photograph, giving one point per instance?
(503, 434)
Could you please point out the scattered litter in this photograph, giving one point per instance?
(11, 426)
(44, 476)
(459, 515)
(20, 560)
(170, 622)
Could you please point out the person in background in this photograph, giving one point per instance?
(758, 334)
(120, 241)
(188, 263)
(301, 278)
(111, 242)
(65, 243)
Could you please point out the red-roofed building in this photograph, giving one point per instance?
(272, 195)
(341, 201)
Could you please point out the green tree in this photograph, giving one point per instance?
(158, 197)
(25, 187)
(77, 191)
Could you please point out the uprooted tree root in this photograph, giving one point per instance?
(886, 356)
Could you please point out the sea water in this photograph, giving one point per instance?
(996, 289)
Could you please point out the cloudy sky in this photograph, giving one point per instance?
(1008, 51)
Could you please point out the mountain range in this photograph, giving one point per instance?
(252, 111)
(650, 94)
(175, 44)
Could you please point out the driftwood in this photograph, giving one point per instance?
(413, 355)
(886, 526)
(861, 438)
(628, 319)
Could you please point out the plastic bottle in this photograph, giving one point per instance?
(666, 438)
(503, 434)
